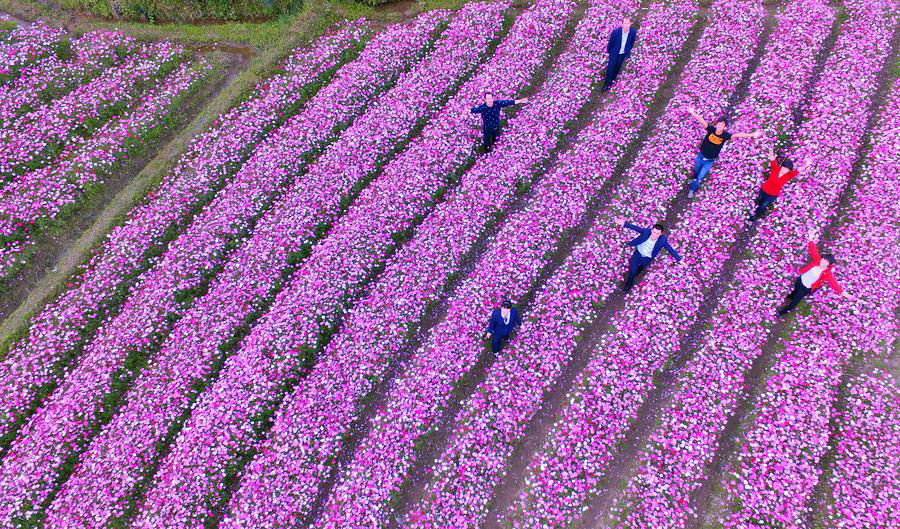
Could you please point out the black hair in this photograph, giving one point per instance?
(659, 227)
(507, 304)
(488, 93)
(830, 258)
(788, 164)
(723, 119)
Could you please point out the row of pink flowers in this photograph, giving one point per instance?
(45, 194)
(493, 419)
(34, 140)
(52, 76)
(33, 364)
(124, 450)
(318, 416)
(226, 420)
(865, 485)
(772, 478)
(26, 44)
(67, 418)
(670, 467)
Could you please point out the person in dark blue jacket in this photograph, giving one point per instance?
(490, 117)
(647, 246)
(503, 321)
(619, 48)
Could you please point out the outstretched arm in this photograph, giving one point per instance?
(620, 221)
(521, 101)
(813, 251)
(755, 134)
(672, 251)
(699, 119)
(477, 110)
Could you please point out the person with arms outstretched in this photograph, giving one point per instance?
(490, 117)
(621, 40)
(502, 323)
(711, 146)
(771, 188)
(812, 277)
(647, 246)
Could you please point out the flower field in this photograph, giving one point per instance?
(287, 328)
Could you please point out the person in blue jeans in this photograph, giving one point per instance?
(716, 138)
(490, 117)
(503, 321)
(647, 245)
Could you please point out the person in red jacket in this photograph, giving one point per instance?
(812, 277)
(771, 188)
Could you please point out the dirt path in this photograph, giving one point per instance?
(60, 252)
(707, 498)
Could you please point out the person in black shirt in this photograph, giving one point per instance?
(490, 117)
(712, 144)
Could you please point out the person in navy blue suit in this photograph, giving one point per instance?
(647, 246)
(503, 321)
(618, 50)
(490, 117)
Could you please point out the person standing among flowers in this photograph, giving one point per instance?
(716, 138)
(647, 246)
(621, 40)
(502, 323)
(490, 117)
(771, 188)
(812, 277)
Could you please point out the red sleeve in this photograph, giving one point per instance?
(814, 253)
(773, 169)
(834, 284)
(790, 176)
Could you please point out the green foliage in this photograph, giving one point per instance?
(185, 11)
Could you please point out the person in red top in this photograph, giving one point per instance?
(812, 277)
(771, 188)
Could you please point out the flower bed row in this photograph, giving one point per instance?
(125, 449)
(234, 411)
(32, 367)
(317, 417)
(42, 196)
(778, 464)
(865, 485)
(492, 420)
(669, 297)
(70, 416)
(36, 139)
(382, 465)
(26, 44)
(53, 76)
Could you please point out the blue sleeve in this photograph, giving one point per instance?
(672, 251)
(492, 324)
(612, 42)
(478, 110)
(629, 45)
(505, 103)
(631, 226)
(518, 320)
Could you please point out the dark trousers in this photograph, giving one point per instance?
(613, 69)
(763, 201)
(796, 296)
(636, 266)
(489, 136)
(497, 341)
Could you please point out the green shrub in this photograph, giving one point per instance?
(185, 10)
